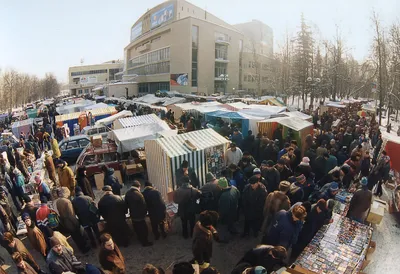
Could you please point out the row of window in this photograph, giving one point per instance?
(158, 68)
(195, 44)
(252, 64)
(81, 91)
(254, 78)
(220, 68)
(151, 57)
(97, 71)
(221, 52)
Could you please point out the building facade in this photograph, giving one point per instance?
(179, 46)
(83, 79)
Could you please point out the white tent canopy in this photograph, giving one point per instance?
(298, 114)
(99, 105)
(295, 123)
(128, 139)
(109, 120)
(140, 120)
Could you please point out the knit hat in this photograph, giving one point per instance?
(305, 161)
(78, 189)
(256, 171)
(284, 186)
(107, 188)
(301, 178)
(43, 200)
(223, 183)
(210, 177)
(270, 163)
(257, 270)
(334, 186)
(54, 241)
(253, 180)
(364, 181)
(264, 163)
(25, 216)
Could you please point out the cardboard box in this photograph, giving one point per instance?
(117, 174)
(376, 213)
(97, 141)
(99, 180)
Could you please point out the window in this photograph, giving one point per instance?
(79, 91)
(83, 142)
(150, 57)
(112, 72)
(89, 160)
(102, 129)
(240, 45)
(78, 73)
(92, 131)
(221, 52)
(72, 144)
(220, 68)
(158, 68)
(86, 90)
(195, 44)
(63, 146)
(245, 78)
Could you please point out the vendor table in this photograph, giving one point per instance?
(339, 247)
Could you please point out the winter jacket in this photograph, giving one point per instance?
(36, 239)
(284, 173)
(155, 204)
(51, 170)
(330, 163)
(253, 201)
(26, 255)
(65, 262)
(281, 153)
(228, 205)
(296, 193)
(272, 177)
(113, 209)
(311, 154)
(210, 193)
(365, 166)
(194, 181)
(319, 167)
(186, 197)
(136, 203)
(67, 214)
(28, 269)
(111, 180)
(275, 202)
(112, 260)
(239, 179)
(82, 205)
(44, 190)
(284, 230)
(360, 204)
(66, 178)
(55, 148)
(248, 170)
(85, 185)
(202, 243)
(237, 139)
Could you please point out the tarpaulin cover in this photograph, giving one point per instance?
(109, 120)
(96, 106)
(24, 126)
(128, 139)
(299, 114)
(95, 112)
(295, 123)
(140, 120)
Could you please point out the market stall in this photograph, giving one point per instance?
(339, 247)
(194, 108)
(203, 149)
(80, 118)
(268, 126)
(270, 100)
(131, 138)
(110, 120)
(139, 120)
(297, 129)
(25, 126)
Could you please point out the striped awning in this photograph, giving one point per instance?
(140, 120)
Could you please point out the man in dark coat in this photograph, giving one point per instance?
(186, 197)
(360, 203)
(227, 209)
(183, 171)
(62, 260)
(210, 193)
(253, 200)
(113, 209)
(138, 210)
(29, 208)
(297, 152)
(286, 227)
(87, 213)
(248, 142)
(156, 208)
(319, 166)
(317, 217)
(271, 175)
(111, 180)
(296, 191)
(284, 171)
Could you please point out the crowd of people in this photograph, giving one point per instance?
(271, 187)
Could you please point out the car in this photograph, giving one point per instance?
(96, 130)
(93, 158)
(72, 147)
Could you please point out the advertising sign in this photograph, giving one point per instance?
(163, 15)
(88, 79)
(180, 79)
(136, 31)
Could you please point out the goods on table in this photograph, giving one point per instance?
(339, 247)
(342, 205)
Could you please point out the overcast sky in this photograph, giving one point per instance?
(51, 35)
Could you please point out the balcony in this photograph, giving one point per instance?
(221, 59)
(222, 41)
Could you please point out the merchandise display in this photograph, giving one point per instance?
(342, 205)
(339, 247)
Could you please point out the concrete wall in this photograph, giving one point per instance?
(118, 90)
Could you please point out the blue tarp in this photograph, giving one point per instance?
(232, 115)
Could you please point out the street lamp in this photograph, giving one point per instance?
(224, 78)
(312, 82)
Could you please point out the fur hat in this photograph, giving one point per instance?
(210, 177)
(305, 161)
(256, 171)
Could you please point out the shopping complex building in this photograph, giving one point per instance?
(179, 46)
(85, 78)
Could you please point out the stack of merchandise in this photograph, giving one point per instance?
(339, 247)
(343, 199)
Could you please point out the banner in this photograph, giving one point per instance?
(163, 15)
(136, 31)
(180, 79)
(88, 79)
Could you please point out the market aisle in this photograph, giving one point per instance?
(385, 259)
